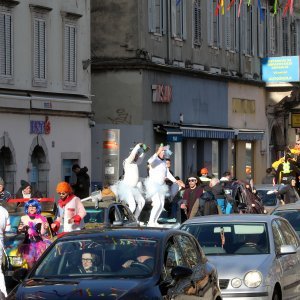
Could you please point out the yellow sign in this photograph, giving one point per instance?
(295, 120)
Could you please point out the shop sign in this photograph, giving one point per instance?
(161, 93)
(295, 120)
(280, 69)
(40, 127)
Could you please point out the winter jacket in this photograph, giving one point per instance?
(289, 193)
(82, 186)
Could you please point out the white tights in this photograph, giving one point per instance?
(158, 202)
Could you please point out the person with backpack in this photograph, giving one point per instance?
(207, 205)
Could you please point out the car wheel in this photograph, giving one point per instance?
(276, 295)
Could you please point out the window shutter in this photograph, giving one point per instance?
(8, 34)
(237, 28)
(173, 17)
(36, 49)
(2, 44)
(70, 54)
(293, 39)
(197, 23)
(254, 13)
(39, 48)
(244, 28)
(209, 22)
(163, 10)
(183, 20)
(227, 28)
(151, 15)
(272, 32)
(285, 39)
(298, 37)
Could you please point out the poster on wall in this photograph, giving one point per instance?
(111, 155)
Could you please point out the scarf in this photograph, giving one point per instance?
(63, 203)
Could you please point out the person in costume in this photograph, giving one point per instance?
(155, 183)
(127, 188)
(70, 210)
(34, 225)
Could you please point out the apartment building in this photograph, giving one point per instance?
(177, 72)
(45, 102)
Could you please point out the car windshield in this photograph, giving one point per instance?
(230, 238)
(104, 256)
(94, 216)
(267, 199)
(293, 216)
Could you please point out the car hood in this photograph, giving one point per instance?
(106, 288)
(238, 265)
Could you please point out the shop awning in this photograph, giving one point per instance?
(173, 133)
(209, 132)
(250, 135)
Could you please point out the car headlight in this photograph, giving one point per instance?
(236, 282)
(253, 279)
(16, 261)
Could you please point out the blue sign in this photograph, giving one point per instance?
(280, 69)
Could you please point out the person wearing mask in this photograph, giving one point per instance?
(34, 225)
(27, 191)
(4, 226)
(4, 194)
(70, 210)
(127, 188)
(155, 184)
(82, 186)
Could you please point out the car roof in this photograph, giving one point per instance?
(126, 232)
(232, 218)
(289, 206)
(100, 204)
(266, 187)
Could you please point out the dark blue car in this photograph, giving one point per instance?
(123, 263)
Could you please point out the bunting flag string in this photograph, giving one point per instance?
(287, 8)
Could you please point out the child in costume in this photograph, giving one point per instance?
(70, 210)
(34, 225)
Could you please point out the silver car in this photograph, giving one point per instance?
(256, 256)
(291, 212)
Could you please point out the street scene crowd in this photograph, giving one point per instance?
(164, 193)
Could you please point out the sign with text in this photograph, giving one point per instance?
(161, 93)
(280, 69)
(295, 120)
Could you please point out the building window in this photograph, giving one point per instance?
(39, 49)
(231, 28)
(157, 16)
(285, 36)
(178, 8)
(248, 29)
(214, 23)
(197, 23)
(6, 44)
(295, 37)
(262, 31)
(70, 41)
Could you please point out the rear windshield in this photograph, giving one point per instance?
(230, 238)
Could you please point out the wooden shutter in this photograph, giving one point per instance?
(237, 29)
(228, 27)
(151, 15)
(70, 53)
(6, 51)
(197, 22)
(163, 10)
(285, 36)
(210, 22)
(39, 48)
(173, 18)
(183, 19)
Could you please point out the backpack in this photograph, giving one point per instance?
(208, 204)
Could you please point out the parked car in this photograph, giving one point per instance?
(291, 212)
(178, 267)
(270, 200)
(13, 238)
(257, 256)
(107, 213)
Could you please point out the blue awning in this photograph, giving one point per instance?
(250, 135)
(173, 133)
(207, 132)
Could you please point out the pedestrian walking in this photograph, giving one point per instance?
(155, 184)
(4, 194)
(128, 189)
(4, 226)
(70, 210)
(82, 186)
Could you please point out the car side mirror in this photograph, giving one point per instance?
(287, 249)
(20, 274)
(180, 272)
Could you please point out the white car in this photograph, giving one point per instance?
(256, 256)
